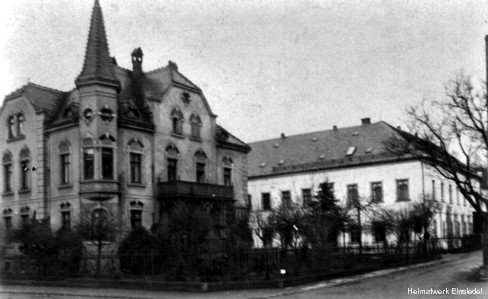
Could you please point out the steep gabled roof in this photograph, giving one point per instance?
(97, 66)
(43, 99)
(322, 150)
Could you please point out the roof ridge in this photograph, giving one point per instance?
(176, 70)
(45, 87)
(24, 87)
(155, 70)
(317, 132)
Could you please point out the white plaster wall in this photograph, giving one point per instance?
(420, 183)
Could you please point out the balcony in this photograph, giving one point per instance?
(183, 189)
(99, 189)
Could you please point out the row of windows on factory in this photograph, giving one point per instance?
(376, 194)
(106, 158)
(450, 197)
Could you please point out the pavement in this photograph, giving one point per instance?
(17, 291)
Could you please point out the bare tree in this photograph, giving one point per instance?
(451, 136)
(99, 228)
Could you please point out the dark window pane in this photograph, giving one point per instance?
(352, 194)
(286, 198)
(379, 232)
(306, 196)
(8, 177)
(135, 168)
(88, 163)
(24, 175)
(266, 201)
(227, 177)
(200, 173)
(107, 163)
(66, 218)
(355, 233)
(65, 171)
(377, 192)
(172, 170)
(195, 130)
(135, 218)
(402, 190)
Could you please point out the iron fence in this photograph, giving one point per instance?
(223, 265)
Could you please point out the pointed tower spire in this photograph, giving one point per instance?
(97, 67)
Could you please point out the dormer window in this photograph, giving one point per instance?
(351, 150)
(11, 127)
(20, 124)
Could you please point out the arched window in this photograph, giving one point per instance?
(7, 172)
(20, 124)
(64, 163)
(24, 169)
(135, 160)
(172, 154)
(201, 159)
(196, 125)
(11, 127)
(177, 121)
(227, 170)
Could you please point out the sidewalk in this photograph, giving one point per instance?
(254, 293)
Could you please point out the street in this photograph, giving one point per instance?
(458, 272)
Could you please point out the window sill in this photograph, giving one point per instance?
(10, 193)
(65, 186)
(403, 199)
(178, 135)
(196, 139)
(17, 138)
(137, 185)
(92, 181)
(24, 191)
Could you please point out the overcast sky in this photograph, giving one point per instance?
(266, 67)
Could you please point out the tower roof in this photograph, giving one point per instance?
(97, 67)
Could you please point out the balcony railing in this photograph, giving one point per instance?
(196, 190)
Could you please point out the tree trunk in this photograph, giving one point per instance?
(484, 240)
(483, 274)
(360, 226)
(99, 255)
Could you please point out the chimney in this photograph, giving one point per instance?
(137, 63)
(334, 128)
(365, 121)
(283, 136)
